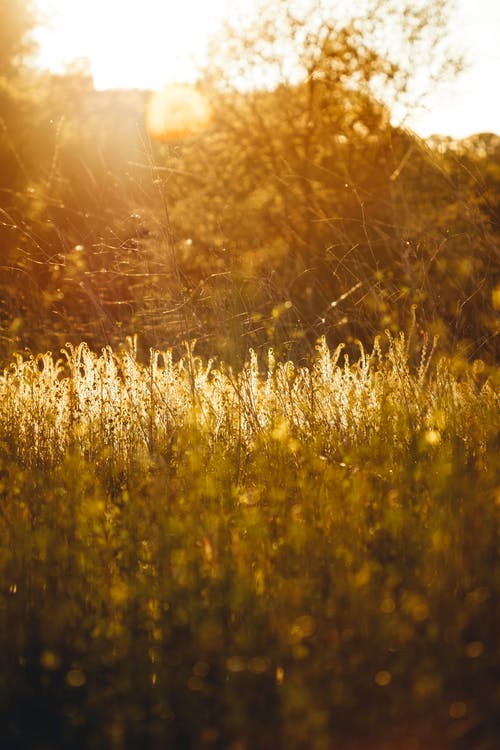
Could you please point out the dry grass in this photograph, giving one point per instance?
(284, 557)
(85, 401)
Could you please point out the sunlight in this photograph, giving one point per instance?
(149, 44)
(129, 45)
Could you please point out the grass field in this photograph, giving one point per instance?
(296, 557)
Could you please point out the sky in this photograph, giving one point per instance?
(150, 43)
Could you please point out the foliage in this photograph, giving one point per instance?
(18, 20)
(198, 558)
(301, 212)
(197, 554)
(384, 222)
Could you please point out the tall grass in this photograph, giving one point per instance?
(283, 557)
(110, 402)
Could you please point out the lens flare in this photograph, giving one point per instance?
(178, 111)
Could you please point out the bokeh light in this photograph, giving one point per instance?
(178, 111)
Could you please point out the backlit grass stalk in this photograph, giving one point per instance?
(109, 402)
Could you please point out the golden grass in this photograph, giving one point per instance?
(280, 557)
(87, 401)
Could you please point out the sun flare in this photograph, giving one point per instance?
(177, 111)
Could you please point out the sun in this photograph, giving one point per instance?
(142, 45)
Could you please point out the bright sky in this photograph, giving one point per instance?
(148, 43)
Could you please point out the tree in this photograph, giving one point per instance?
(17, 21)
(310, 169)
(395, 49)
(17, 106)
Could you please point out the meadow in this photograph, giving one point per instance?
(207, 543)
(285, 556)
